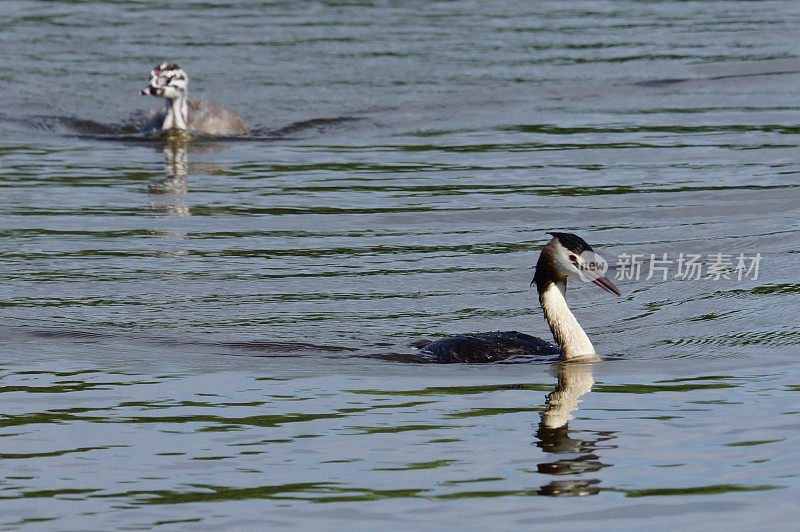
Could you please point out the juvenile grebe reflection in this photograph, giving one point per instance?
(566, 255)
(553, 435)
(176, 168)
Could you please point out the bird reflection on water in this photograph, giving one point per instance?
(176, 168)
(173, 186)
(575, 455)
(176, 165)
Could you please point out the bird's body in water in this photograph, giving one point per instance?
(170, 82)
(566, 255)
(486, 347)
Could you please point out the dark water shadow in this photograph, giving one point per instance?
(667, 82)
(251, 348)
(129, 131)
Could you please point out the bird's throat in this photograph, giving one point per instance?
(177, 114)
(568, 333)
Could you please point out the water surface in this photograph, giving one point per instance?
(216, 333)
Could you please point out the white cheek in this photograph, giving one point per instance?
(564, 266)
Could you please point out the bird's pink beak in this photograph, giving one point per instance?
(606, 285)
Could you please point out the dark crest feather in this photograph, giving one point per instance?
(544, 270)
(572, 242)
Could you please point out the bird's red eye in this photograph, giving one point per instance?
(573, 258)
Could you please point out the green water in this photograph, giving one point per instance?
(213, 334)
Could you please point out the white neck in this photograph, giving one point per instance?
(566, 330)
(177, 114)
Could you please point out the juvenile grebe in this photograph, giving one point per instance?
(566, 255)
(170, 82)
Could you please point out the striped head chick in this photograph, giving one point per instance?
(167, 80)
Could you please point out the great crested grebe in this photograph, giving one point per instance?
(170, 82)
(566, 255)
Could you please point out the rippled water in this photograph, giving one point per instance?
(208, 333)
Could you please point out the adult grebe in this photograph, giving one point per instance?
(566, 255)
(170, 82)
